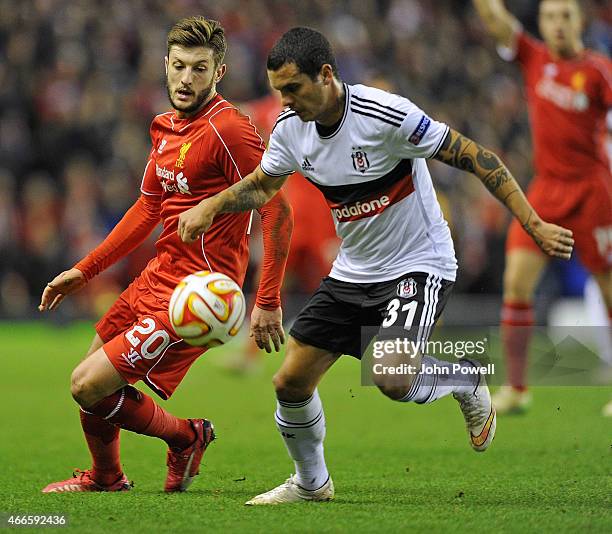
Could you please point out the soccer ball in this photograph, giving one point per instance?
(207, 309)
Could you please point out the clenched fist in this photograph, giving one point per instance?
(195, 221)
(553, 240)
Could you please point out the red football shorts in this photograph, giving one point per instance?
(585, 207)
(140, 342)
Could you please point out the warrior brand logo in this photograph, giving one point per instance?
(306, 166)
(161, 146)
(374, 205)
(420, 131)
(407, 288)
(170, 183)
(360, 160)
(180, 162)
(131, 357)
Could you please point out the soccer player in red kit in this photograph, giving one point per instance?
(199, 149)
(569, 94)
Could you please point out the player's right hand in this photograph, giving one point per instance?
(63, 284)
(553, 240)
(195, 221)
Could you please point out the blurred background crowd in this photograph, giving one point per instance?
(80, 81)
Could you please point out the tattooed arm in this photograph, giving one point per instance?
(463, 153)
(252, 192)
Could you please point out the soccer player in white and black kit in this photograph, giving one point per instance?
(365, 149)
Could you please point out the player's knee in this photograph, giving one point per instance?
(83, 389)
(291, 389)
(515, 287)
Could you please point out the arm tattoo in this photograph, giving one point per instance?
(462, 153)
(243, 196)
(529, 229)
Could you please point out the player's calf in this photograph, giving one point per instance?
(395, 373)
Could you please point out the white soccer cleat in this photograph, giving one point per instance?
(606, 411)
(290, 491)
(508, 400)
(479, 415)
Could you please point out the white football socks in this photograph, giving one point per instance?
(302, 426)
(438, 378)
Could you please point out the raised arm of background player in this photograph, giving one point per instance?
(456, 150)
(500, 23)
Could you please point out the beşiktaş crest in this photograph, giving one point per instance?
(407, 288)
(360, 159)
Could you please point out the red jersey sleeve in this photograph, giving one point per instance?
(276, 228)
(135, 226)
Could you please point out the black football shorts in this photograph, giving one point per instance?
(343, 317)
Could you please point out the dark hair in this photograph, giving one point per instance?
(305, 47)
(199, 31)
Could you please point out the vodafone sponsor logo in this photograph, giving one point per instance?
(374, 205)
(358, 210)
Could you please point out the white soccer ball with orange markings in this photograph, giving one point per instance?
(207, 309)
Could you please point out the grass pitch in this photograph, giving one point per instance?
(395, 466)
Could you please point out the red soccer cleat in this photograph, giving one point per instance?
(184, 465)
(82, 481)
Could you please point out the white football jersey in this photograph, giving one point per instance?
(373, 174)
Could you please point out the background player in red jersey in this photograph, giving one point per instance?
(569, 93)
(199, 149)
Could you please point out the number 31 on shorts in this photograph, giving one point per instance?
(393, 313)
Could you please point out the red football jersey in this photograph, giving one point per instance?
(568, 100)
(193, 159)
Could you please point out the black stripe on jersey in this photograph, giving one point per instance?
(379, 117)
(353, 192)
(376, 110)
(274, 174)
(401, 114)
(288, 115)
(435, 152)
(282, 117)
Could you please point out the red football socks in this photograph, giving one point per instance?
(516, 329)
(103, 442)
(132, 410)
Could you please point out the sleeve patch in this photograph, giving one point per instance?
(419, 132)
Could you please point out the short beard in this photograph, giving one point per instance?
(201, 98)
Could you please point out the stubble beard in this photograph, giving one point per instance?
(201, 98)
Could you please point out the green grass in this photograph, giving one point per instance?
(396, 467)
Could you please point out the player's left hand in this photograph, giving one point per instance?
(266, 325)
(195, 221)
(553, 240)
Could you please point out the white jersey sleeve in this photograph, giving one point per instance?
(278, 160)
(419, 136)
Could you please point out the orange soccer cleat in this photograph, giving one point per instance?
(82, 481)
(184, 465)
